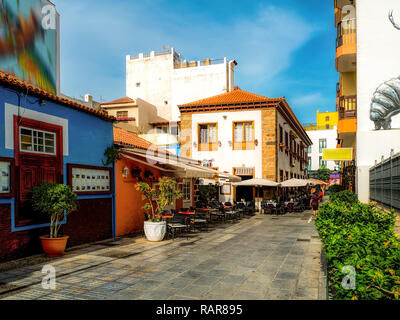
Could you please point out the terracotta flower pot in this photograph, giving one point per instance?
(54, 247)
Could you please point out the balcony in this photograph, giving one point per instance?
(341, 3)
(338, 16)
(346, 46)
(347, 125)
(347, 107)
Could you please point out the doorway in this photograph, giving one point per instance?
(38, 158)
(245, 193)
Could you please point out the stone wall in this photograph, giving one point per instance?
(269, 144)
(186, 135)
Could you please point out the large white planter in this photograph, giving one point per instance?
(155, 231)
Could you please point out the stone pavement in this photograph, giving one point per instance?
(262, 257)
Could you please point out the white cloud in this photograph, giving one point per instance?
(96, 38)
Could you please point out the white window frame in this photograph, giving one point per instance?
(190, 190)
(44, 144)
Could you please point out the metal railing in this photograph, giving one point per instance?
(347, 33)
(384, 182)
(347, 107)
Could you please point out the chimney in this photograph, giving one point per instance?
(89, 99)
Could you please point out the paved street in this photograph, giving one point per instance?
(262, 257)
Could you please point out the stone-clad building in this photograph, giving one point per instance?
(245, 134)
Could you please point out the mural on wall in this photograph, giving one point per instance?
(28, 42)
(386, 100)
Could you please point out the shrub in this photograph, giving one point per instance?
(361, 236)
(56, 200)
(168, 193)
(335, 188)
(344, 196)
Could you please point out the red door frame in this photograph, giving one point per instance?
(38, 125)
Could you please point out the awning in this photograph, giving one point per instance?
(316, 181)
(293, 183)
(224, 175)
(257, 183)
(180, 169)
(183, 167)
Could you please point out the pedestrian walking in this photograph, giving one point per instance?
(314, 203)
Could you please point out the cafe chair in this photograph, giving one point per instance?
(178, 223)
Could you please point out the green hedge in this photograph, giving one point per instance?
(335, 188)
(361, 236)
(344, 196)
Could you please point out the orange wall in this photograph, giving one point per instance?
(347, 125)
(129, 203)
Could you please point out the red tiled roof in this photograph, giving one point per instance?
(129, 139)
(120, 101)
(236, 96)
(238, 99)
(18, 84)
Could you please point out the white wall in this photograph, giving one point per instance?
(225, 158)
(166, 87)
(378, 51)
(315, 136)
(195, 83)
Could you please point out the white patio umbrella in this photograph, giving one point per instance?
(256, 183)
(293, 183)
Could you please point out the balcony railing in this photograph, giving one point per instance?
(338, 16)
(347, 33)
(347, 107)
(337, 89)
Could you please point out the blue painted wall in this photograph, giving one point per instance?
(88, 135)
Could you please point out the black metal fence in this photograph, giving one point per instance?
(384, 182)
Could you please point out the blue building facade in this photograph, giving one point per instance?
(46, 138)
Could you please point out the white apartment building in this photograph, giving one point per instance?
(378, 86)
(321, 139)
(165, 81)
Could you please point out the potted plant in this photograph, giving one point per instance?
(154, 228)
(148, 175)
(56, 200)
(136, 173)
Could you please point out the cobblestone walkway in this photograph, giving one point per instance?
(262, 257)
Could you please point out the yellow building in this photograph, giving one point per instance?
(325, 121)
(346, 88)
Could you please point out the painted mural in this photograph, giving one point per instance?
(386, 100)
(28, 42)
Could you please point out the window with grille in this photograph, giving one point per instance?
(243, 135)
(174, 131)
(187, 191)
(322, 145)
(286, 141)
(162, 129)
(208, 137)
(122, 114)
(37, 141)
(322, 163)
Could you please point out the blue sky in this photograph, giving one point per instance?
(283, 48)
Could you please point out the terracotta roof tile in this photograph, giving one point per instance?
(129, 139)
(16, 83)
(236, 96)
(120, 101)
